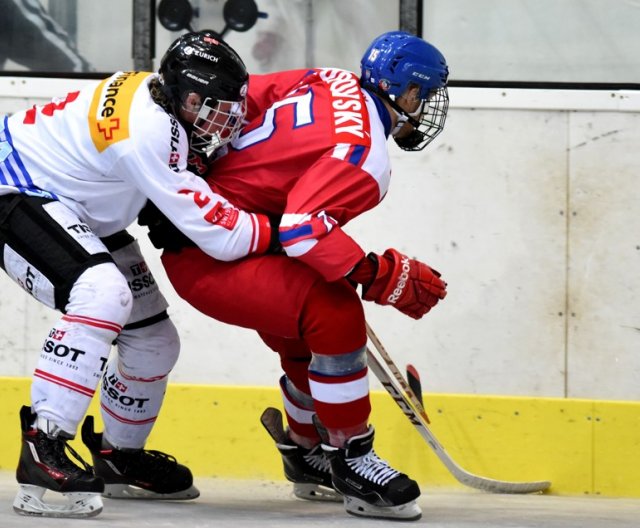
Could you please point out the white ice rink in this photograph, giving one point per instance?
(240, 504)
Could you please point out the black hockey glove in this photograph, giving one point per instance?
(162, 233)
(274, 243)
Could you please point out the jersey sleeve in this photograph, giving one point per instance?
(330, 194)
(157, 166)
(266, 89)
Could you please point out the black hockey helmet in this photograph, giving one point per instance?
(202, 63)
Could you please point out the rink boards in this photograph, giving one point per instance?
(584, 447)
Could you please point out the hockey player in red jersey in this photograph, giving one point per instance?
(74, 174)
(317, 157)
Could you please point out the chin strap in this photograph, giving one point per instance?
(402, 116)
(415, 137)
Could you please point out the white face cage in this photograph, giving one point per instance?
(216, 124)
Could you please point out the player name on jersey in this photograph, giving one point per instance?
(350, 117)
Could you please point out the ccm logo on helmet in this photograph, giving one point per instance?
(402, 281)
(421, 75)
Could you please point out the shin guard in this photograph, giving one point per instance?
(75, 353)
(135, 382)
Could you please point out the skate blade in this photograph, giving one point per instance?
(316, 492)
(405, 512)
(125, 491)
(29, 501)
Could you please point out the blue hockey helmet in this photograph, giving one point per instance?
(396, 61)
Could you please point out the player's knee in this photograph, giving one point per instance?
(102, 293)
(149, 352)
(329, 303)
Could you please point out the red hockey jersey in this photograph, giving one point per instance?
(317, 156)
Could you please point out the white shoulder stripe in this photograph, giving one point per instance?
(377, 163)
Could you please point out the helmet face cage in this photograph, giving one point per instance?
(428, 121)
(396, 61)
(217, 123)
(202, 63)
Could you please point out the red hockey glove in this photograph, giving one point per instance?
(407, 284)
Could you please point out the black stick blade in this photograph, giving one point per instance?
(414, 382)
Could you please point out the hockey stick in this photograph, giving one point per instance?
(414, 382)
(463, 476)
(417, 402)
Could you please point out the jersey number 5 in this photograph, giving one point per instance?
(301, 112)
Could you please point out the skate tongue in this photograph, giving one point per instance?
(51, 429)
(271, 419)
(360, 445)
(322, 430)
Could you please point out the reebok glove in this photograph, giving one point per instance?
(406, 284)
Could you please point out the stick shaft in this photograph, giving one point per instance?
(415, 401)
(406, 403)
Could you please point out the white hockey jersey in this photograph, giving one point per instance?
(103, 150)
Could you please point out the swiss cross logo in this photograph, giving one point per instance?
(120, 386)
(57, 334)
(174, 158)
(107, 131)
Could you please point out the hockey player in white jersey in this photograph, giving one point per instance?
(74, 174)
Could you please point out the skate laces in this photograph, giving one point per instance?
(147, 461)
(55, 448)
(317, 459)
(373, 468)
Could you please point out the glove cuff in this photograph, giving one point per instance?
(364, 271)
(375, 288)
(265, 236)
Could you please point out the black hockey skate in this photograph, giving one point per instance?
(308, 469)
(44, 466)
(371, 488)
(138, 474)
